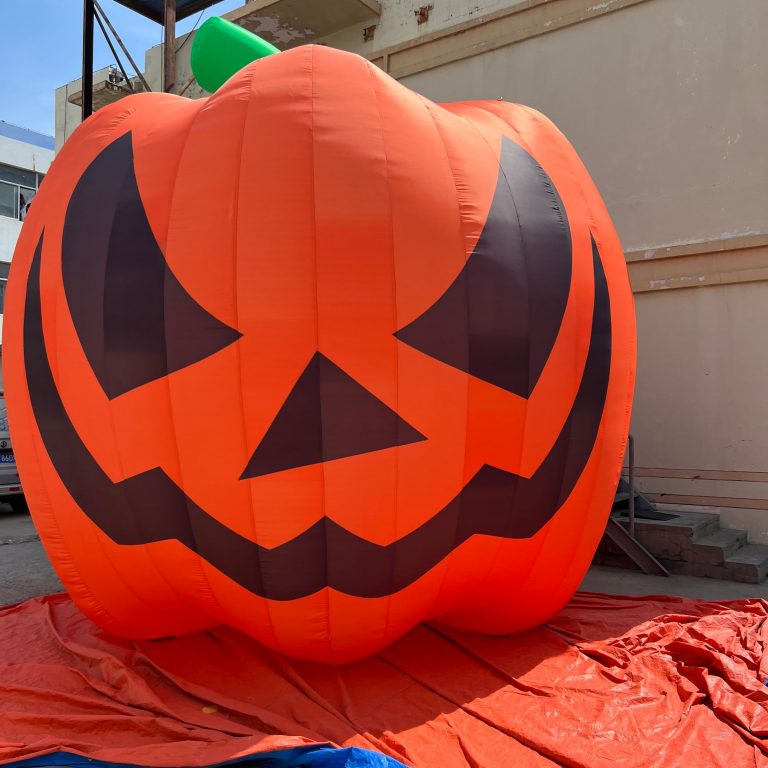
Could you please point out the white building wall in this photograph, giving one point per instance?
(23, 155)
(9, 234)
(29, 157)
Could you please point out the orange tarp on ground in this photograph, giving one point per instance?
(612, 681)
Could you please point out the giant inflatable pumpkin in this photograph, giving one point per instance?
(319, 359)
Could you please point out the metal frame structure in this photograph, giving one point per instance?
(173, 10)
(91, 11)
(184, 8)
(101, 15)
(87, 81)
(169, 47)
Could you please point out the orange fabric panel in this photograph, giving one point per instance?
(641, 682)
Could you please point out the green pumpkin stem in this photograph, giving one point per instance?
(221, 48)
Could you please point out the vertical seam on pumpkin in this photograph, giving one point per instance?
(148, 549)
(428, 107)
(196, 554)
(97, 607)
(537, 117)
(59, 294)
(501, 543)
(254, 536)
(395, 517)
(548, 527)
(141, 599)
(312, 134)
(544, 534)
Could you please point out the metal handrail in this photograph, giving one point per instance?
(624, 538)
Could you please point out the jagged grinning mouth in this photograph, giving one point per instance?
(150, 507)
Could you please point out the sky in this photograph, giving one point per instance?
(41, 49)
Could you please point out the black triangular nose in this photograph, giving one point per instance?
(327, 416)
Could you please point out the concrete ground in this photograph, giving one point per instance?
(25, 572)
(617, 581)
(24, 568)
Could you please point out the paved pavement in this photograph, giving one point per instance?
(24, 568)
(616, 581)
(25, 572)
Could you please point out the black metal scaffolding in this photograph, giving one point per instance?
(164, 12)
(87, 81)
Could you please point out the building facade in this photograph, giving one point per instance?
(665, 102)
(24, 160)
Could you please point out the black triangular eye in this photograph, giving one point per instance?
(135, 321)
(500, 317)
(327, 416)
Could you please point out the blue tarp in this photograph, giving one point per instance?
(315, 756)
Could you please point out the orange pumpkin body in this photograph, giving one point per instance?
(319, 359)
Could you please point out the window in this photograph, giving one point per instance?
(4, 267)
(9, 199)
(17, 188)
(18, 176)
(25, 199)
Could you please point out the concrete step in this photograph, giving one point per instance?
(678, 508)
(686, 508)
(748, 564)
(700, 523)
(701, 520)
(692, 543)
(715, 548)
(672, 539)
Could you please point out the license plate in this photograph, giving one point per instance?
(7, 458)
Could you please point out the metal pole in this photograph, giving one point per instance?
(186, 85)
(87, 79)
(169, 52)
(127, 79)
(122, 45)
(631, 486)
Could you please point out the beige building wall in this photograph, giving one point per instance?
(665, 100)
(660, 100)
(67, 114)
(185, 82)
